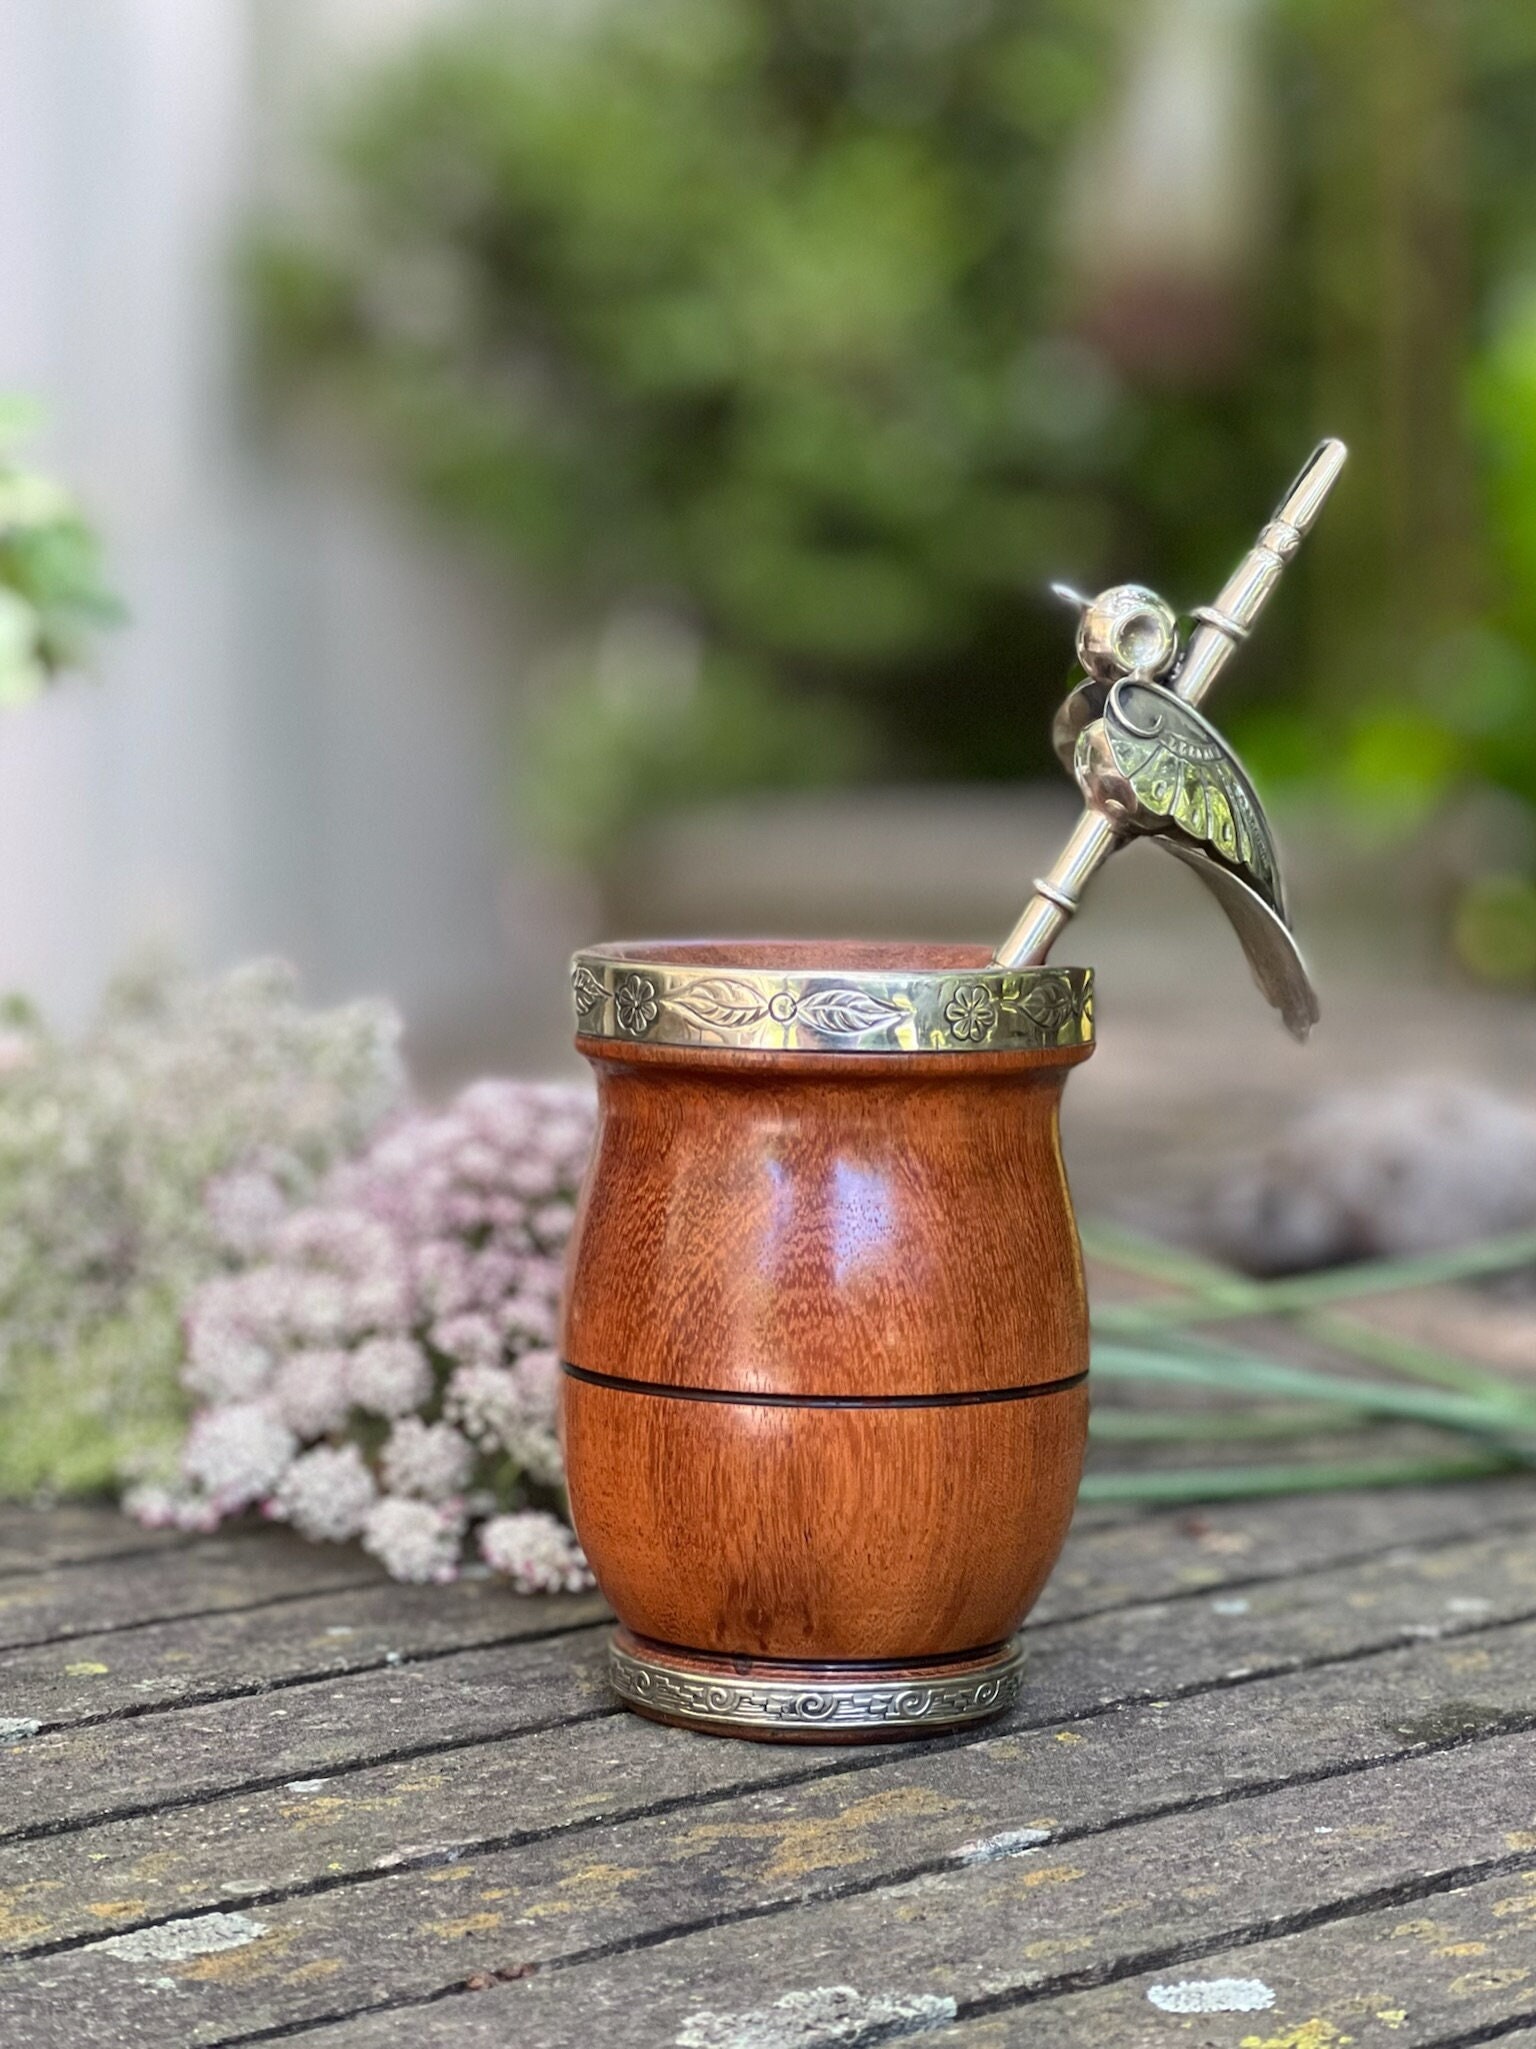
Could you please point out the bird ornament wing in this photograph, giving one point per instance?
(1150, 762)
(1151, 765)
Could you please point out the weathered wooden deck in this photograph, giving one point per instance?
(254, 1793)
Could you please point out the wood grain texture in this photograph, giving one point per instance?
(827, 1224)
(985, 1929)
(223, 1572)
(219, 1654)
(451, 1713)
(1423, 1974)
(73, 1533)
(1145, 1651)
(87, 1775)
(861, 1533)
(1031, 1804)
(379, 1857)
(863, 1226)
(611, 1791)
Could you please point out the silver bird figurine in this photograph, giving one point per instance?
(1151, 766)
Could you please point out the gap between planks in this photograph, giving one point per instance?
(1112, 1971)
(1108, 1970)
(1340, 1981)
(1512, 1723)
(112, 1555)
(512, 1732)
(1233, 1583)
(679, 1931)
(1268, 1518)
(1500, 1722)
(252, 1689)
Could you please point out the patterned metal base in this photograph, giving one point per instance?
(786, 1702)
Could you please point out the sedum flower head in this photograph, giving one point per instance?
(385, 1344)
(237, 1454)
(536, 1552)
(327, 1493)
(431, 1460)
(415, 1541)
(483, 1400)
(311, 1391)
(391, 1376)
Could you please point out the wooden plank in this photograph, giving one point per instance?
(151, 1761)
(212, 1657)
(853, 1814)
(1454, 1968)
(990, 1930)
(73, 1533)
(982, 1926)
(1153, 1556)
(1115, 1555)
(70, 1777)
(236, 1571)
(157, 1664)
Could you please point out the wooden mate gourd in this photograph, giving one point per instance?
(825, 1338)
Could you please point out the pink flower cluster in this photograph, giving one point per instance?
(379, 1364)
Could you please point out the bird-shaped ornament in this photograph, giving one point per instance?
(1151, 766)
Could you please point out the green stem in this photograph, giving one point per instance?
(1403, 1355)
(1241, 1483)
(1236, 1296)
(1237, 1372)
(1132, 1253)
(1186, 1426)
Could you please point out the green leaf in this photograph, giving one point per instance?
(1251, 1483)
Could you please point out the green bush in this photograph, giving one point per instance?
(743, 311)
(760, 316)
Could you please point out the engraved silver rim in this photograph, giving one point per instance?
(623, 995)
(703, 1694)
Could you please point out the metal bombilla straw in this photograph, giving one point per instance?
(1149, 764)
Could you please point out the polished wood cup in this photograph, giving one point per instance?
(825, 1339)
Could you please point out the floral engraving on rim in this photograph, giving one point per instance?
(586, 989)
(971, 1013)
(634, 1004)
(724, 1004)
(976, 1010)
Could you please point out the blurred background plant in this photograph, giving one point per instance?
(52, 596)
(111, 1146)
(772, 355)
(817, 334)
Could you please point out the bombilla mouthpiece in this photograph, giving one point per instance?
(1308, 495)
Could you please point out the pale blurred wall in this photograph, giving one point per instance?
(299, 742)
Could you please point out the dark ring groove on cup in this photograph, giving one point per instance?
(765, 1399)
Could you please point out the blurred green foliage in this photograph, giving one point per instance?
(773, 318)
(52, 598)
(651, 718)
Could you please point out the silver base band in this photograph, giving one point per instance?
(707, 1693)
